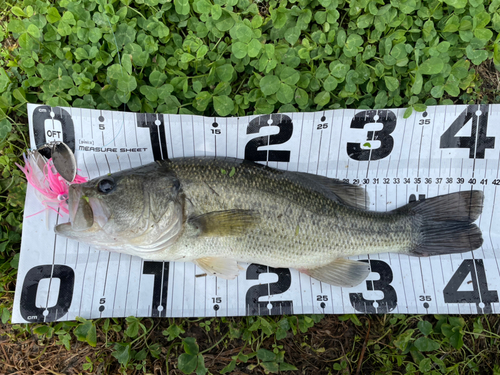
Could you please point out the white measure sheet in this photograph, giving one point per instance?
(443, 150)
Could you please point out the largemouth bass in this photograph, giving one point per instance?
(218, 212)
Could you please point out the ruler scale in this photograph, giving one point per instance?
(396, 160)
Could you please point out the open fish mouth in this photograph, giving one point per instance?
(84, 212)
(74, 196)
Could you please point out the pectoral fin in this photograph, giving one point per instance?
(224, 223)
(220, 267)
(341, 272)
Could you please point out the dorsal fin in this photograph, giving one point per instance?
(348, 194)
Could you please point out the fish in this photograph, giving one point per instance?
(218, 212)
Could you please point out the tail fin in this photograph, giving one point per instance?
(446, 223)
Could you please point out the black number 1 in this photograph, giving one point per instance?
(160, 271)
(156, 133)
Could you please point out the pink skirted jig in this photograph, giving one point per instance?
(51, 189)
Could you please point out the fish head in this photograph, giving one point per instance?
(130, 211)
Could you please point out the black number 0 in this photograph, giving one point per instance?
(42, 113)
(29, 310)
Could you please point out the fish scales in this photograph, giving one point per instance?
(299, 227)
(217, 212)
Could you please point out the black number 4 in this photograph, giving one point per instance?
(480, 292)
(478, 141)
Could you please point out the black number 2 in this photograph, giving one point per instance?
(388, 121)
(256, 307)
(478, 141)
(286, 129)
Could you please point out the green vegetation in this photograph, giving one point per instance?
(234, 58)
(348, 344)
(242, 57)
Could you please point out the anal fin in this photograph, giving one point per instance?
(221, 267)
(341, 272)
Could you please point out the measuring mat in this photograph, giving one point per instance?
(440, 151)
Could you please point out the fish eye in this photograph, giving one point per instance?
(106, 185)
(176, 185)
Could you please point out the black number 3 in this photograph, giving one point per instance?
(388, 121)
(386, 304)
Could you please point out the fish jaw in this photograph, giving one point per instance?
(82, 215)
(74, 195)
(85, 214)
(100, 211)
(95, 237)
(67, 230)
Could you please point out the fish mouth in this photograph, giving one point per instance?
(74, 196)
(84, 213)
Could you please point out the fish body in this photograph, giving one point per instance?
(218, 212)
